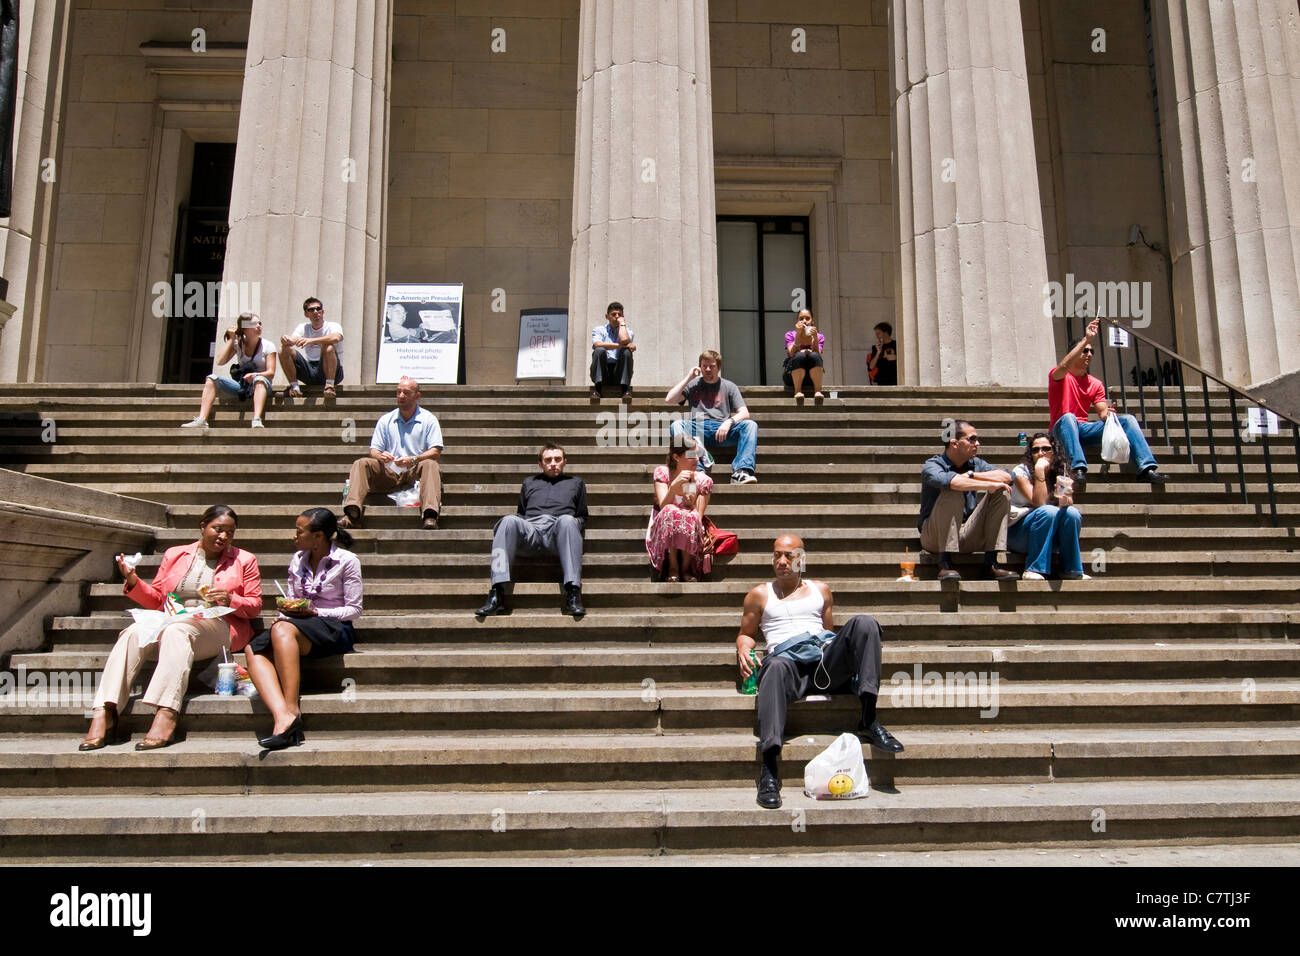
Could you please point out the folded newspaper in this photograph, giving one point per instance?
(149, 624)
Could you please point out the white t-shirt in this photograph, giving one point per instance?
(311, 353)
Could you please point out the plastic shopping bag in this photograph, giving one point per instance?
(407, 497)
(838, 772)
(1114, 443)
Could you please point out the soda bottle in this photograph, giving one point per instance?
(749, 685)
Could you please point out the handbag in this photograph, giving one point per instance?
(718, 543)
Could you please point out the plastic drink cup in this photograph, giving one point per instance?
(226, 679)
(1064, 485)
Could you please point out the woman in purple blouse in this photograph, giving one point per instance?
(330, 579)
(803, 356)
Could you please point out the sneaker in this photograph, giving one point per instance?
(743, 478)
(1032, 576)
(196, 423)
(257, 423)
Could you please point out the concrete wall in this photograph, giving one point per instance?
(481, 161)
(1099, 165)
(103, 174)
(55, 540)
(828, 105)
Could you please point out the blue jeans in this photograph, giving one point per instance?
(1074, 435)
(1043, 531)
(743, 436)
(241, 390)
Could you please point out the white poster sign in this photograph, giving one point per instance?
(1261, 422)
(543, 343)
(420, 333)
(1118, 337)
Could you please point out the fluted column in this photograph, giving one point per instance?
(1229, 88)
(25, 237)
(644, 222)
(306, 205)
(972, 266)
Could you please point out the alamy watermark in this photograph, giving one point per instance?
(1085, 299)
(950, 689)
(191, 299)
(21, 688)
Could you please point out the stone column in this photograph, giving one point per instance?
(1229, 93)
(26, 236)
(307, 202)
(972, 267)
(644, 221)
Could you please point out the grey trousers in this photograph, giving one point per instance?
(855, 652)
(545, 534)
(984, 530)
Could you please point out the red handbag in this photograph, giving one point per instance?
(718, 542)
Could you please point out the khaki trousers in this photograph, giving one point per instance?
(985, 529)
(368, 474)
(177, 648)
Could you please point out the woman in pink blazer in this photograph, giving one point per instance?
(210, 569)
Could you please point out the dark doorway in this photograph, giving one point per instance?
(200, 254)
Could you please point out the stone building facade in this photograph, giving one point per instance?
(934, 164)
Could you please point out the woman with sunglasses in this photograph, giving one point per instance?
(1043, 518)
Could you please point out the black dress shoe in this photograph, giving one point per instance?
(292, 737)
(880, 738)
(1153, 477)
(1079, 476)
(949, 574)
(769, 791)
(573, 603)
(496, 602)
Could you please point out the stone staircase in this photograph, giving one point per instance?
(1158, 703)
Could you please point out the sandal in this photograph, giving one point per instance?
(329, 392)
(110, 735)
(293, 391)
(672, 578)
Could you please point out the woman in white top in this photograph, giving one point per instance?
(1043, 522)
(250, 375)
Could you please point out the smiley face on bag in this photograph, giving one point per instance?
(840, 783)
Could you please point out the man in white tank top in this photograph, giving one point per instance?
(786, 610)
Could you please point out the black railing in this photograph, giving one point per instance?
(1175, 372)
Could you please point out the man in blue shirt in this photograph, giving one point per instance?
(964, 505)
(611, 352)
(406, 445)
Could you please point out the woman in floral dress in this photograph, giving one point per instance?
(675, 538)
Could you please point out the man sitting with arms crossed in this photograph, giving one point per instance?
(951, 519)
(787, 610)
(1071, 394)
(406, 445)
(550, 519)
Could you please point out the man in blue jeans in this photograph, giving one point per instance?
(718, 415)
(1071, 395)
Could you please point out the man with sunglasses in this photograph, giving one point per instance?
(964, 505)
(311, 352)
(1072, 394)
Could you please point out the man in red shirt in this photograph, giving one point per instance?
(1072, 394)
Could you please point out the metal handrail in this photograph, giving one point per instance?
(1234, 392)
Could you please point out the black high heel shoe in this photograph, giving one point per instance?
(292, 737)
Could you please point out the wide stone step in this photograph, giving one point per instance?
(675, 709)
(423, 593)
(713, 665)
(234, 763)
(305, 823)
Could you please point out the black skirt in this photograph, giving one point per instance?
(328, 637)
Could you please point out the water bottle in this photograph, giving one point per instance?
(749, 685)
(345, 491)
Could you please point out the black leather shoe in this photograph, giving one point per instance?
(1079, 476)
(1153, 477)
(769, 791)
(573, 604)
(496, 602)
(880, 738)
(292, 737)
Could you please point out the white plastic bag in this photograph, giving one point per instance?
(407, 497)
(1114, 443)
(838, 772)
